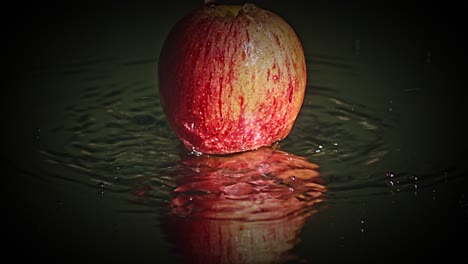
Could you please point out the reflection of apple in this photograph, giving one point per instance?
(231, 78)
(242, 208)
(210, 241)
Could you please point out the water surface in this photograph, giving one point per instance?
(372, 170)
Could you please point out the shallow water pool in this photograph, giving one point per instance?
(373, 169)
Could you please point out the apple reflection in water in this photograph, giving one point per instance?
(242, 208)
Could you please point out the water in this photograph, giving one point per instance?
(372, 170)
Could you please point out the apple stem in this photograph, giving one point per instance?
(210, 3)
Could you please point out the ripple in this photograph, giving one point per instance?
(115, 132)
(350, 139)
(331, 128)
(256, 185)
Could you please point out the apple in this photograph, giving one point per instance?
(232, 78)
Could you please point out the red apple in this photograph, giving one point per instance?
(231, 78)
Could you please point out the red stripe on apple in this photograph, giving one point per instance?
(231, 78)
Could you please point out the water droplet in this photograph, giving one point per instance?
(390, 109)
(293, 178)
(38, 133)
(194, 152)
(389, 174)
(415, 178)
(291, 189)
(362, 225)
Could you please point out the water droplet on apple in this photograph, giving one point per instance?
(190, 126)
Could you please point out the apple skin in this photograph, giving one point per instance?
(231, 78)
